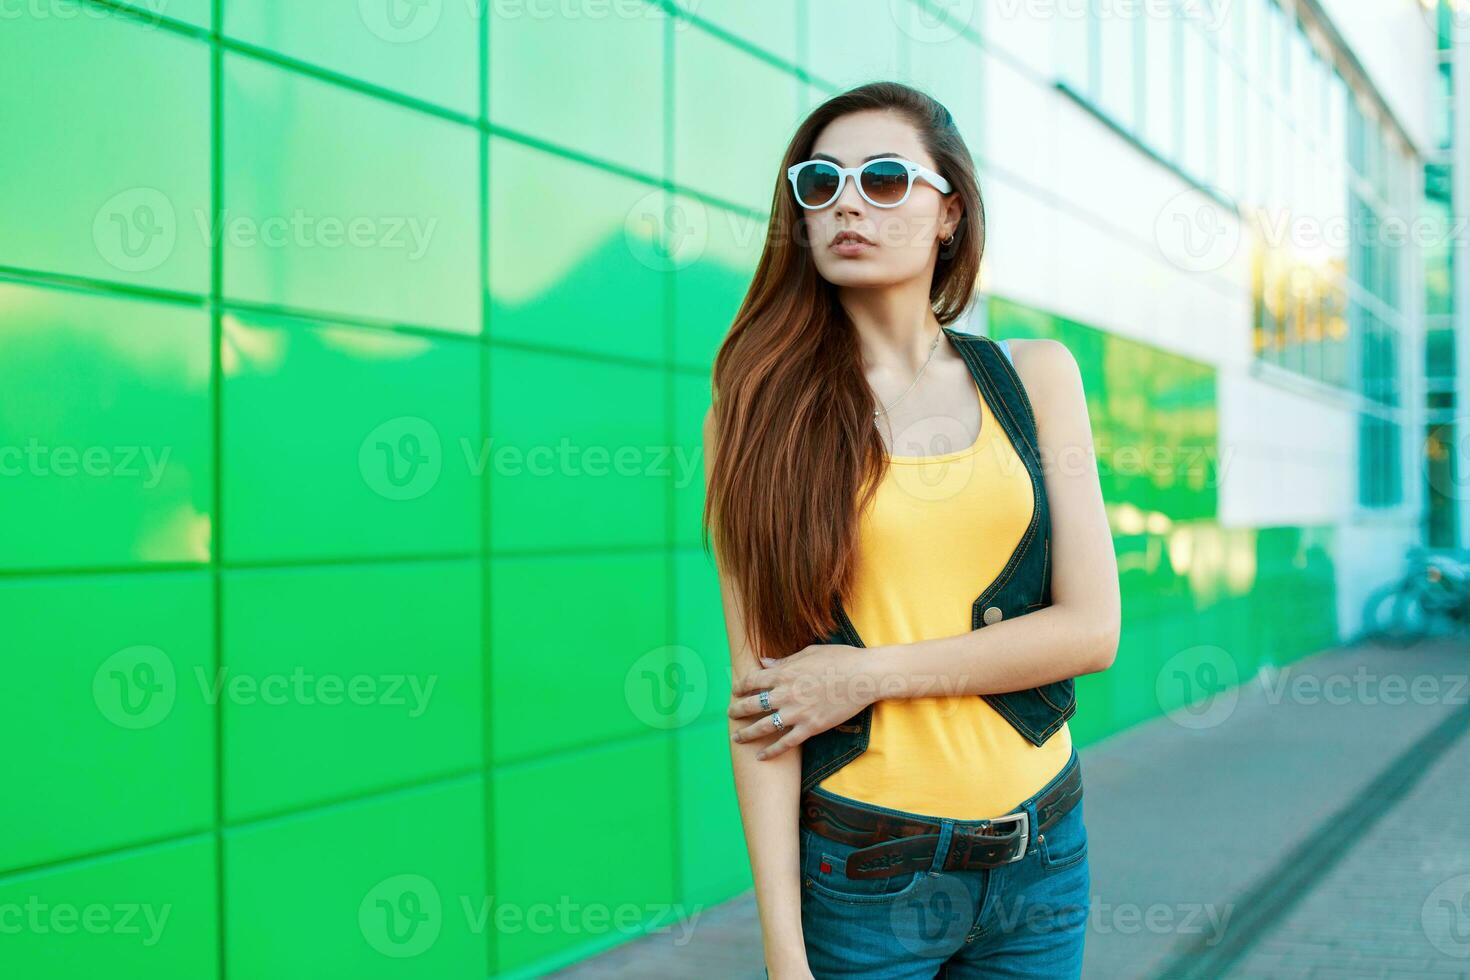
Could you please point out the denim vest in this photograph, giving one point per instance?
(1024, 584)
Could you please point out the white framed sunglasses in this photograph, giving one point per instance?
(883, 183)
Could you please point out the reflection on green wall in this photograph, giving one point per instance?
(1204, 606)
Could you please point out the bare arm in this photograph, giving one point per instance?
(768, 794)
(1078, 633)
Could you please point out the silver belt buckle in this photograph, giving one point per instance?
(1025, 838)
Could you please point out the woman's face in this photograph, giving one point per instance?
(901, 241)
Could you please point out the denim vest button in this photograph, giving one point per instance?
(992, 615)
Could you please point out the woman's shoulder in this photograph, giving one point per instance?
(1040, 354)
(1048, 371)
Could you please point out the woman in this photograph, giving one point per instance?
(887, 544)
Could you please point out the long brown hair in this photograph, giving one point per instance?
(793, 411)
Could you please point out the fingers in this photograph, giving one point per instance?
(790, 739)
(747, 706)
(752, 681)
(759, 730)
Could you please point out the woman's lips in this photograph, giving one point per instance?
(852, 246)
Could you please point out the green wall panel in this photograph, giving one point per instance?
(343, 681)
(195, 12)
(741, 171)
(339, 203)
(715, 257)
(347, 442)
(611, 890)
(103, 713)
(855, 41)
(537, 50)
(368, 890)
(691, 402)
(770, 25)
(592, 279)
(713, 861)
(116, 192)
(1204, 607)
(429, 51)
(588, 466)
(597, 679)
(105, 443)
(1155, 416)
(699, 628)
(148, 914)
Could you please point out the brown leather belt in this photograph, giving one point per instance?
(889, 844)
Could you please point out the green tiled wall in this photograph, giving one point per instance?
(354, 368)
(1204, 606)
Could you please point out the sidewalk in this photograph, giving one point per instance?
(1297, 833)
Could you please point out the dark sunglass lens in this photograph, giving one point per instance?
(886, 181)
(816, 185)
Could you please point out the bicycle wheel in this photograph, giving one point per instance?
(1394, 616)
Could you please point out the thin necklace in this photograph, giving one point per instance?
(883, 410)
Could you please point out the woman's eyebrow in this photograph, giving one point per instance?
(875, 156)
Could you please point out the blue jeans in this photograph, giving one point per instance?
(1024, 919)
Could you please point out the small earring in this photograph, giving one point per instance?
(947, 241)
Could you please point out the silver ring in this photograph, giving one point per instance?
(765, 700)
(776, 719)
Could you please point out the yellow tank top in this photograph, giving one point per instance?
(938, 531)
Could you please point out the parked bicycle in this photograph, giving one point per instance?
(1432, 598)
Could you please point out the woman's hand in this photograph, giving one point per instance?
(815, 688)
